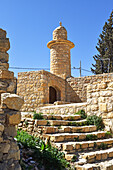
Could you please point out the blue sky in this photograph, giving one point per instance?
(30, 23)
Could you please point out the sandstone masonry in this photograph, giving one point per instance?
(9, 110)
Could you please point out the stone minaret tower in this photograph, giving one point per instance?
(60, 53)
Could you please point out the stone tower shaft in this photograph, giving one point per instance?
(60, 62)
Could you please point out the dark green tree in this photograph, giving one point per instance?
(105, 49)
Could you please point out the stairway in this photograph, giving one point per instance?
(84, 147)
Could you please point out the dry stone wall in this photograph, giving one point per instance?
(9, 110)
(9, 117)
(79, 85)
(100, 101)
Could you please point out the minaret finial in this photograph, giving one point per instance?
(60, 23)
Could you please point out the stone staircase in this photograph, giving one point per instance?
(84, 147)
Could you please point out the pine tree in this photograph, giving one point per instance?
(105, 49)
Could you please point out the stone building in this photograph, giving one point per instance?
(42, 87)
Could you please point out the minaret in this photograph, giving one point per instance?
(60, 62)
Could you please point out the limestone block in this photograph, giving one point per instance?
(5, 147)
(4, 45)
(101, 99)
(12, 101)
(106, 93)
(95, 94)
(5, 74)
(89, 101)
(110, 107)
(110, 85)
(11, 87)
(94, 101)
(4, 57)
(110, 115)
(102, 85)
(1, 127)
(10, 130)
(103, 107)
(94, 107)
(89, 87)
(14, 119)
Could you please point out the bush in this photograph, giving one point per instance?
(95, 120)
(82, 113)
(44, 154)
(37, 116)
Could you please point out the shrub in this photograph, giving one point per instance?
(91, 137)
(95, 120)
(44, 154)
(82, 113)
(37, 115)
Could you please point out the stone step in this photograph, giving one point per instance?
(70, 117)
(65, 129)
(61, 137)
(60, 122)
(98, 155)
(103, 165)
(71, 147)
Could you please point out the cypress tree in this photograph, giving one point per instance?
(105, 49)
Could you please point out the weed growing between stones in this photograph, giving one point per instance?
(91, 137)
(95, 120)
(43, 155)
(37, 116)
(82, 114)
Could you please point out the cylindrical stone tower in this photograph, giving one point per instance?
(60, 62)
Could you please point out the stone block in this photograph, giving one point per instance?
(102, 85)
(103, 107)
(14, 119)
(12, 101)
(5, 74)
(106, 93)
(1, 127)
(94, 107)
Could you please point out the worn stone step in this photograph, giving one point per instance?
(60, 137)
(71, 147)
(98, 155)
(103, 165)
(65, 129)
(59, 123)
(61, 117)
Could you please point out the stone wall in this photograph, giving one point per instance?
(34, 87)
(62, 109)
(100, 101)
(9, 110)
(9, 117)
(79, 84)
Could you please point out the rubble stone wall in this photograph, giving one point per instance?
(79, 84)
(100, 101)
(9, 110)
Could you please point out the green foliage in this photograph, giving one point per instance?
(91, 137)
(108, 134)
(95, 120)
(37, 116)
(74, 158)
(103, 146)
(26, 123)
(82, 114)
(105, 49)
(44, 154)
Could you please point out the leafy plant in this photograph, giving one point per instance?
(44, 154)
(26, 123)
(37, 116)
(95, 120)
(103, 146)
(91, 137)
(82, 114)
(74, 158)
(108, 134)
